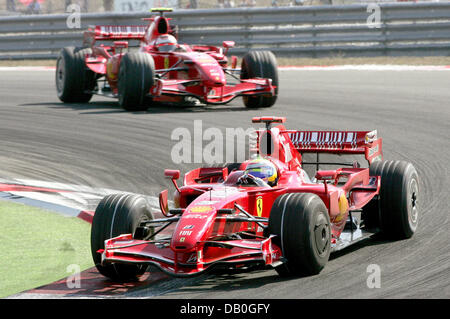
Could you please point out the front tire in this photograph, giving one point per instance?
(116, 215)
(302, 227)
(260, 64)
(136, 77)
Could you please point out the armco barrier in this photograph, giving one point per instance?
(419, 29)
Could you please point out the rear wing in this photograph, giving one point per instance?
(114, 33)
(338, 142)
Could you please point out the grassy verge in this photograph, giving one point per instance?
(284, 61)
(37, 246)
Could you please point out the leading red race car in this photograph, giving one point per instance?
(264, 212)
(162, 70)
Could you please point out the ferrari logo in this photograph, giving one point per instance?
(259, 206)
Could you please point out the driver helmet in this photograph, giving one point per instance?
(264, 169)
(166, 43)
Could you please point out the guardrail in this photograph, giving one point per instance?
(420, 29)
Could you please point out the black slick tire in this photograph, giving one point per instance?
(397, 208)
(136, 77)
(302, 227)
(116, 215)
(260, 64)
(74, 81)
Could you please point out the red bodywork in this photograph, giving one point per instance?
(219, 222)
(189, 71)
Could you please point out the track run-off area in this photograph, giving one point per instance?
(101, 146)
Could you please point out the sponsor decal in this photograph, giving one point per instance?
(259, 206)
(109, 71)
(224, 193)
(343, 207)
(195, 216)
(182, 239)
(201, 209)
(188, 227)
(207, 202)
(185, 233)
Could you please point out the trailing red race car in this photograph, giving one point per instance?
(162, 70)
(264, 212)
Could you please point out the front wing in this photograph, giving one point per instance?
(233, 254)
(211, 95)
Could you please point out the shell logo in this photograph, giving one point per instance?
(201, 209)
(109, 71)
(343, 207)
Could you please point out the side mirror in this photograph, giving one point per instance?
(173, 175)
(227, 45)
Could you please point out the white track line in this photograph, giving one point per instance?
(70, 201)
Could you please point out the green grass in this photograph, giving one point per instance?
(37, 246)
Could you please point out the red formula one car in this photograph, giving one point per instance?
(264, 212)
(162, 70)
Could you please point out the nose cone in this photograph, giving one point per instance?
(192, 228)
(210, 70)
(216, 78)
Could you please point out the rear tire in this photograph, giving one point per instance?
(260, 64)
(74, 80)
(136, 77)
(302, 227)
(397, 209)
(116, 215)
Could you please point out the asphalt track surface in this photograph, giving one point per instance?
(100, 145)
